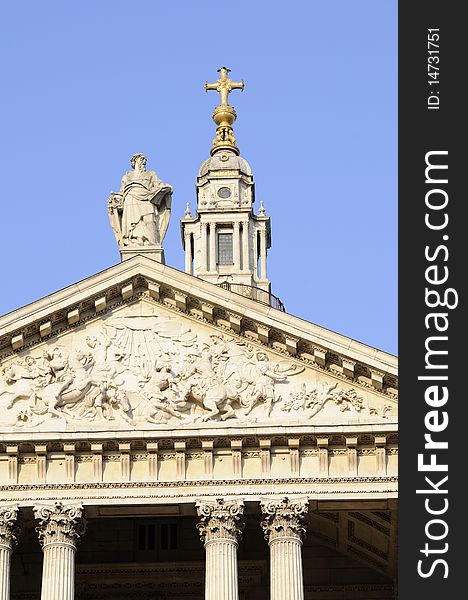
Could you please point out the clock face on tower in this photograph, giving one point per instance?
(224, 192)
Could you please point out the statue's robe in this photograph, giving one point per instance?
(146, 208)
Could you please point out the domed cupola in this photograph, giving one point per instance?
(225, 242)
(225, 180)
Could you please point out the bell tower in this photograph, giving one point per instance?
(226, 243)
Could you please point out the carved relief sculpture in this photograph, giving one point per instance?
(142, 370)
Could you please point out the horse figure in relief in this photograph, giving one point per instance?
(200, 383)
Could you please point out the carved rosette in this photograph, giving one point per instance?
(59, 524)
(8, 526)
(220, 520)
(284, 519)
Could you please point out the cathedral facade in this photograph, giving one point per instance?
(178, 435)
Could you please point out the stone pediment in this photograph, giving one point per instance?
(143, 346)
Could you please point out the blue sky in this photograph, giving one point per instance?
(88, 83)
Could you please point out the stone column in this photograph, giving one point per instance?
(284, 527)
(212, 247)
(236, 245)
(204, 248)
(8, 531)
(255, 255)
(263, 253)
(60, 527)
(188, 252)
(245, 246)
(220, 529)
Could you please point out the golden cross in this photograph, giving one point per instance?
(224, 85)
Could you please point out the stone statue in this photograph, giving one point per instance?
(139, 213)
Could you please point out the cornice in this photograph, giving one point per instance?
(235, 488)
(221, 436)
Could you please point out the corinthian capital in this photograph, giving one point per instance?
(59, 523)
(220, 519)
(284, 518)
(8, 527)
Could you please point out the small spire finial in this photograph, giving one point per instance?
(188, 214)
(224, 115)
(261, 210)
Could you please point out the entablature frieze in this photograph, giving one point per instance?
(342, 464)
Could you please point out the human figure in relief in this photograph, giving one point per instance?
(264, 383)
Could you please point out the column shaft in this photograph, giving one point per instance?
(245, 246)
(58, 572)
(212, 247)
(256, 255)
(221, 570)
(188, 253)
(59, 529)
(236, 248)
(5, 558)
(263, 256)
(204, 248)
(286, 581)
(220, 529)
(284, 527)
